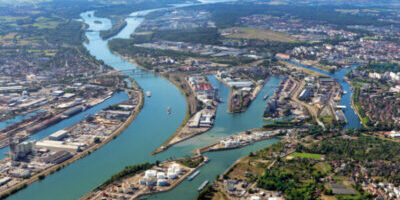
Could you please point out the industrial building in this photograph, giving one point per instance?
(20, 150)
(239, 83)
(58, 146)
(154, 177)
(4, 180)
(59, 135)
(57, 157)
(20, 173)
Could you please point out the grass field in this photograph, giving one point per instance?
(248, 165)
(253, 33)
(7, 39)
(323, 167)
(307, 155)
(43, 23)
(371, 38)
(327, 120)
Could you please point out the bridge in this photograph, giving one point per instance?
(134, 71)
(341, 106)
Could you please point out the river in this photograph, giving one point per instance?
(17, 119)
(149, 130)
(353, 121)
(114, 99)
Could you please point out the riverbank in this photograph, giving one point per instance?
(115, 29)
(188, 115)
(305, 70)
(238, 140)
(251, 96)
(351, 115)
(48, 117)
(186, 132)
(354, 107)
(162, 177)
(84, 153)
(229, 110)
(203, 119)
(144, 135)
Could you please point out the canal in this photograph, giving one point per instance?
(17, 119)
(149, 130)
(353, 121)
(114, 99)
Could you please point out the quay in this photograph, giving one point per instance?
(160, 178)
(199, 121)
(239, 140)
(66, 157)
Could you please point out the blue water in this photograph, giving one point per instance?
(148, 131)
(115, 99)
(16, 119)
(351, 116)
(151, 128)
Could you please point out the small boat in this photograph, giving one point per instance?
(148, 94)
(203, 185)
(344, 92)
(191, 177)
(266, 96)
(169, 110)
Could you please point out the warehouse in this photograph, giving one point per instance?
(58, 157)
(57, 146)
(59, 135)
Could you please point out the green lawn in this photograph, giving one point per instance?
(253, 33)
(307, 155)
(323, 167)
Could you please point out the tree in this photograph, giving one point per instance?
(97, 140)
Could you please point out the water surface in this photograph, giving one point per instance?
(149, 130)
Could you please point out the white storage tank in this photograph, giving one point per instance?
(178, 171)
(172, 175)
(162, 182)
(160, 175)
(150, 173)
(175, 166)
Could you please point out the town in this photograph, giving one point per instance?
(176, 99)
(30, 160)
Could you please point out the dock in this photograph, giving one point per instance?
(238, 140)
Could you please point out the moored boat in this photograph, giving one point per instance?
(191, 177)
(203, 185)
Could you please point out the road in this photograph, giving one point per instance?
(311, 109)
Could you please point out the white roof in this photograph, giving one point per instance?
(59, 133)
(68, 95)
(255, 198)
(55, 144)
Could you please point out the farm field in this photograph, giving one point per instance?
(307, 155)
(253, 33)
